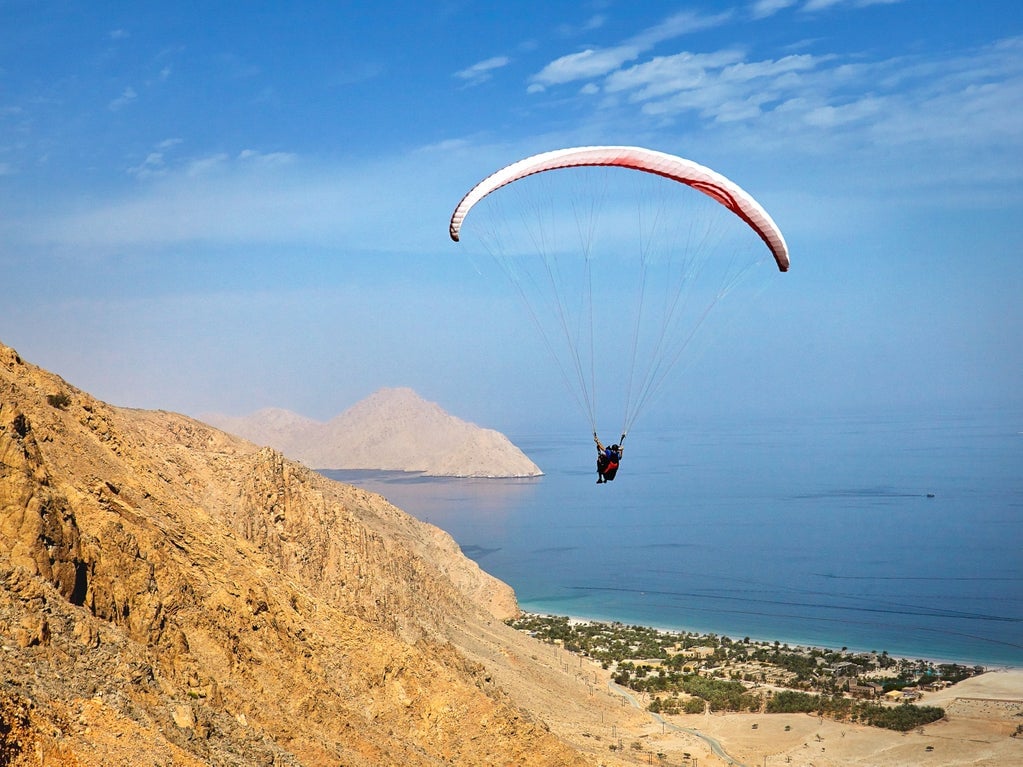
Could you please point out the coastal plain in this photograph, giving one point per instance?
(983, 719)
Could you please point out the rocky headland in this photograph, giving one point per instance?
(391, 430)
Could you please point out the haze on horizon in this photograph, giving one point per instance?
(220, 211)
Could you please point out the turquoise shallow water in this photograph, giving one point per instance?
(899, 533)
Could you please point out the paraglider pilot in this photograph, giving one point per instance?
(608, 459)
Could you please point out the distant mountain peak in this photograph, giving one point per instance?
(393, 429)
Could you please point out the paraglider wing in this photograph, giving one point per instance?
(699, 177)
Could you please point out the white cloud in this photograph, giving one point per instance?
(719, 86)
(152, 165)
(155, 163)
(678, 25)
(267, 159)
(585, 65)
(828, 116)
(593, 63)
(204, 166)
(128, 95)
(820, 5)
(664, 75)
(483, 70)
(747, 72)
(826, 101)
(761, 9)
(596, 21)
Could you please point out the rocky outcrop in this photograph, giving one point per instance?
(391, 430)
(171, 590)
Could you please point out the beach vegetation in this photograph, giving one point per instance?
(606, 642)
(792, 702)
(694, 706)
(903, 718)
(689, 673)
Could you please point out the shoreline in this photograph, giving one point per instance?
(844, 649)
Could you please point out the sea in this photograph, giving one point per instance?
(900, 533)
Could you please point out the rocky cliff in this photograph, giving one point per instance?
(391, 430)
(169, 590)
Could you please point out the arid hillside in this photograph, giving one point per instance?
(392, 430)
(174, 595)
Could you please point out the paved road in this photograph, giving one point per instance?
(715, 746)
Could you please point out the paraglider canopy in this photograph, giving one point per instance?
(697, 176)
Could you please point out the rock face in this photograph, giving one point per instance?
(391, 430)
(169, 590)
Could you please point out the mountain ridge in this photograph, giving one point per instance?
(393, 429)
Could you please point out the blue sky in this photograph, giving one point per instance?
(223, 207)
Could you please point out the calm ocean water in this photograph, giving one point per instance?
(899, 533)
